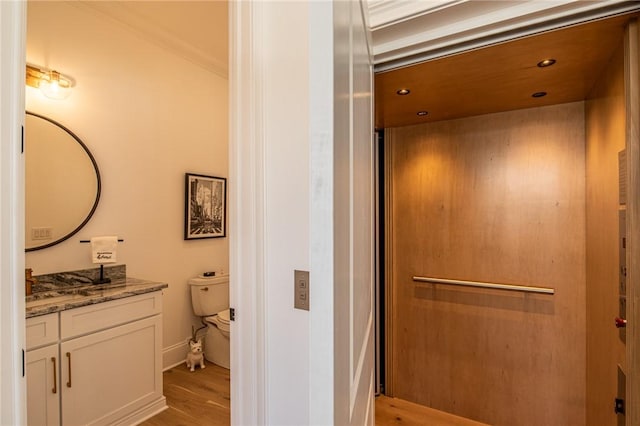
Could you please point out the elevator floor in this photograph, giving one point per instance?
(393, 411)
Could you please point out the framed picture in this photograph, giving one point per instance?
(205, 207)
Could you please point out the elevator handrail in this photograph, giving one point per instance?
(478, 284)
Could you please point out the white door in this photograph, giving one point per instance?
(291, 367)
(342, 226)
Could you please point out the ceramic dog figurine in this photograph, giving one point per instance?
(195, 355)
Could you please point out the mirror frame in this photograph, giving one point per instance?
(98, 189)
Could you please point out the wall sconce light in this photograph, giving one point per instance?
(52, 84)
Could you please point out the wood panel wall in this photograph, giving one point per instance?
(632, 103)
(497, 198)
(605, 137)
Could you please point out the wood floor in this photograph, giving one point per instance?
(199, 398)
(202, 398)
(392, 411)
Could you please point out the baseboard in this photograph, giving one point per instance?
(175, 354)
(144, 413)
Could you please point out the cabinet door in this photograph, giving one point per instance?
(109, 374)
(43, 386)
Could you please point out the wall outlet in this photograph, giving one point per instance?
(301, 290)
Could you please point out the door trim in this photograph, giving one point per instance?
(247, 258)
(388, 265)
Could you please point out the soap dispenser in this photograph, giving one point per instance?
(29, 281)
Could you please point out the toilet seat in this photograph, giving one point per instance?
(224, 316)
(220, 320)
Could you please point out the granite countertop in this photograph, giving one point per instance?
(60, 298)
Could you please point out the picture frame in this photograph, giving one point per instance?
(205, 214)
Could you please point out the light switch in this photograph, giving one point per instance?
(301, 290)
(41, 233)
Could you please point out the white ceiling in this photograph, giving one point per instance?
(195, 30)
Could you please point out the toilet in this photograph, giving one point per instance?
(210, 301)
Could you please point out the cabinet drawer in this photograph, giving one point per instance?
(41, 330)
(87, 319)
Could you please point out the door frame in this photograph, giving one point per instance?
(246, 216)
(12, 320)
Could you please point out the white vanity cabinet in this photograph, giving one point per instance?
(109, 365)
(111, 372)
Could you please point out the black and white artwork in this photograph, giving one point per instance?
(206, 207)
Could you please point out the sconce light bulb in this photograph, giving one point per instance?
(52, 88)
(51, 83)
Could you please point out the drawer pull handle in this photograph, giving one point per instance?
(55, 379)
(69, 364)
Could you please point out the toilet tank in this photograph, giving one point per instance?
(209, 295)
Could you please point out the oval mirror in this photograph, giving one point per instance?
(62, 183)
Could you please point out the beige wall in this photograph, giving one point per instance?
(148, 116)
(497, 198)
(605, 133)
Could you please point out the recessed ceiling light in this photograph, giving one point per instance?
(403, 92)
(546, 63)
(539, 94)
(422, 113)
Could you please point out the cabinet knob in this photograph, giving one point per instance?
(621, 322)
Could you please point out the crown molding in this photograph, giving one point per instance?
(384, 13)
(452, 27)
(150, 31)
